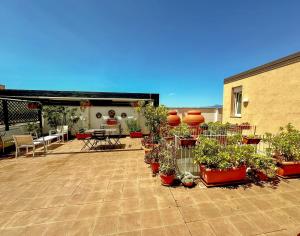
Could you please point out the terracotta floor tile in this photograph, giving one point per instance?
(110, 208)
(293, 212)
(154, 231)
(223, 227)
(263, 222)
(68, 213)
(106, 225)
(244, 225)
(280, 217)
(13, 232)
(149, 203)
(6, 217)
(130, 222)
(58, 228)
(47, 215)
(82, 228)
(171, 216)
(191, 213)
(199, 228)
(151, 219)
(209, 210)
(35, 230)
(88, 211)
(178, 230)
(131, 233)
(24, 218)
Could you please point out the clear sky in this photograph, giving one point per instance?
(178, 48)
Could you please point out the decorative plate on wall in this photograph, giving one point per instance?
(111, 113)
(98, 115)
(123, 115)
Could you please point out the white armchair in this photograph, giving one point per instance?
(25, 141)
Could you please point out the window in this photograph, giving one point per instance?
(237, 101)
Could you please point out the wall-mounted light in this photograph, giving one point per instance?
(245, 100)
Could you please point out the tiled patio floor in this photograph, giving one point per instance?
(113, 193)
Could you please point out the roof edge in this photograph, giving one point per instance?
(284, 61)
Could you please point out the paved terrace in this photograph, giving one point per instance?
(113, 193)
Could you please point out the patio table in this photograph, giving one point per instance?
(88, 142)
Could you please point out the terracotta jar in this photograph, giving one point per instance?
(173, 118)
(193, 118)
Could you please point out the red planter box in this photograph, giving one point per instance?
(167, 179)
(288, 168)
(111, 121)
(218, 176)
(187, 142)
(136, 134)
(83, 136)
(251, 140)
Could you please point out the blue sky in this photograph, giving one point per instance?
(180, 49)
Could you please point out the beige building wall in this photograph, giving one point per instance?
(274, 99)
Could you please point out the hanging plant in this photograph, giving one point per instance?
(85, 104)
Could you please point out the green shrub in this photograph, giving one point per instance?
(133, 125)
(181, 130)
(263, 163)
(285, 144)
(211, 154)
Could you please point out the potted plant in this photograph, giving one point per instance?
(134, 128)
(221, 165)
(187, 179)
(245, 126)
(154, 159)
(251, 139)
(155, 118)
(285, 147)
(184, 134)
(167, 168)
(262, 166)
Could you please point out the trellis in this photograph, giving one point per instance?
(14, 111)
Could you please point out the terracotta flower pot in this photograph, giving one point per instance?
(173, 119)
(136, 134)
(111, 121)
(193, 118)
(218, 176)
(155, 167)
(261, 176)
(167, 179)
(187, 142)
(288, 168)
(188, 184)
(247, 140)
